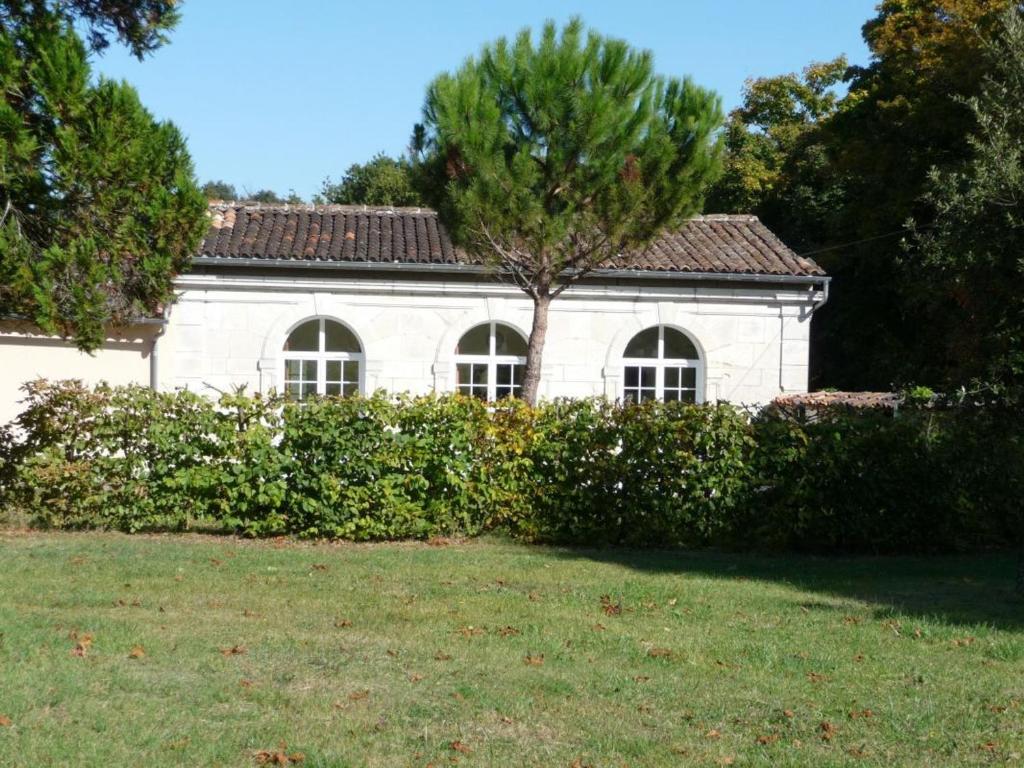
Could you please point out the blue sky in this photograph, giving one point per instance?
(281, 94)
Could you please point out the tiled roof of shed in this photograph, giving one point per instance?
(723, 244)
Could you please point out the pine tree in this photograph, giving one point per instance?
(98, 205)
(547, 158)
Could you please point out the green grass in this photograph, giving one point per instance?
(386, 655)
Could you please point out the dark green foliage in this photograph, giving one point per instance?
(574, 472)
(383, 180)
(974, 248)
(98, 207)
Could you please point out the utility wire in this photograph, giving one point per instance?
(865, 240)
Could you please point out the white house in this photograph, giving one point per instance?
(335, 299)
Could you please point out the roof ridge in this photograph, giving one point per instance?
(222, 206)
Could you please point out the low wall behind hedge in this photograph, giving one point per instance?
(581, 471)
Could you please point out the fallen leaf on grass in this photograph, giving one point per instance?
(508, 631)
(827, 730)
(137, 652)
(857, 752)
(342, 623)
(471, 631)
(859, 657)
(767, 739)
(962, 642)
(787, 712)
(458, 746)
(359, 695)
(641, 679)
(727, 760)
(278, 756)
(815, 677)
(534, 661)
(246, 683)
(534, 596)
(442, 656)
(862, 713)
(660, 653)
(989, 746)
(599, 627)
(849, 620)
(251, 614)
(610, 608)
(415, 677)
(319, 567)
(578, 763)
(235, 650)
(82, 643)
(5, 721)
(714, 733)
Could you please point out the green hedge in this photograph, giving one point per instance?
(572, 471)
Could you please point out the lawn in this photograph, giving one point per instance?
(194, 650)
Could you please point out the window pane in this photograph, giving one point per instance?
(504, 376)
(500, 393)
(305, 338)
(308, 390)
(507, 341)
(332, 388)
(689, 397)
(293, 390)
(647, 395)
(518, 371)
(309, 370)
(292, 369)
(334, 370)
(644, 344)
(463, 374)
(671, 378)
(678, 347)
(688, 376)
(648, 376)
(351, 369)
(349, 389)
(632, 376)
(338, 338)
(671, 395)
(476, 341)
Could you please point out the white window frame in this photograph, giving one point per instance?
(660, 363)
(322, 357)
(491, 360)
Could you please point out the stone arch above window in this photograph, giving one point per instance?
(490, 360)
(322, 357)
(662, 363)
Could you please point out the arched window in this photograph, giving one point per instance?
(662, 363)
(489, 362)
(322, 357)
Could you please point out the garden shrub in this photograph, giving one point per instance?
(569, 471)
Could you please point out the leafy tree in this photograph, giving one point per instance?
(98, 206)
(977, 241)
(545, 159)
(840, 183)
(383, 180)
(219, 190)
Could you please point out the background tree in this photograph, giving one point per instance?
(845, 181)
(98, 206)
(383, 180)
(219, 190)
(976, 245)
(546, 159)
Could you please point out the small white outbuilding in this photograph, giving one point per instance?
(337, 299)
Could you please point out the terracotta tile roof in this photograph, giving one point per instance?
(335, 233)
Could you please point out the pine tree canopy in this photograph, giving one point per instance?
(547, 157)
(98, 205)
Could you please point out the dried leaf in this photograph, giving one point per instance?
(534, 660)
(359, 695)
(815, 677)
(442, 656)
(471, 631)
(235, 650)
(862, 713)
(5, 721)
(827, 730)
(415, 677)
(660, 653)
(458, 746)
(342, 623)
(509, 631)
(767, 739)
(137, 652)
(610, 608)
(714, 733)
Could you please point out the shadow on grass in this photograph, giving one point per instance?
(959, 589)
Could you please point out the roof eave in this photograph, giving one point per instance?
(479, 269)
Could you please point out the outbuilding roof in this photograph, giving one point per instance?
(724, 244)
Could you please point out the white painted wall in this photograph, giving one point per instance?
(25, 354)
(227, 330)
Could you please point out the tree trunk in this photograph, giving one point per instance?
(535, 348)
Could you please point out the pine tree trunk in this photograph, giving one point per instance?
(535, 347)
